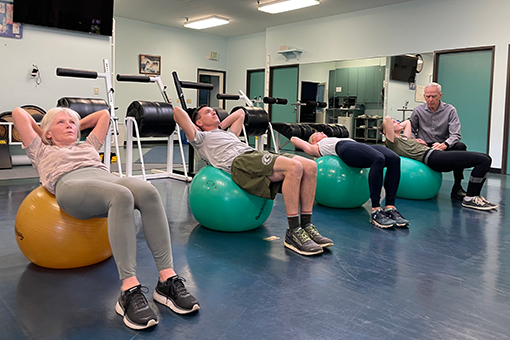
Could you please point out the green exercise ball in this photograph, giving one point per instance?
(417, 180)
(218, 203)
(339, 185)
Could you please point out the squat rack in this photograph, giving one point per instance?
(131, 124)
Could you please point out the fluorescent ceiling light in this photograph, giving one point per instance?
(287, 5)
(206, 22)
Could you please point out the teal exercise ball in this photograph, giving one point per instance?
(218, 203)
(417, 180)
(339, 185)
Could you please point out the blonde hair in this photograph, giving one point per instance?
(310, 140)
(49, 117)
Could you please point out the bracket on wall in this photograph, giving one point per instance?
(295, 53)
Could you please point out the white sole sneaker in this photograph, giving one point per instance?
(302, 252)
(131, 324)
(171, 304)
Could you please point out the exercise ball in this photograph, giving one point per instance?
(417, 180)
(50, 238)
(339, 185)
(218, 203)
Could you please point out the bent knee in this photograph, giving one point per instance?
(488, 159)
(393, 160)
(379, 161)
(309, 166)
(459, 146)
(147, 193)
(296, 167)
(289, 167)
(122, 196)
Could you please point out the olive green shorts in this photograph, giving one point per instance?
(251, 170)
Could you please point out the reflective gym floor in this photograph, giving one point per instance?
(446, 277)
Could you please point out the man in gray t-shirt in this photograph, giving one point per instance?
(251, 168)
(437, 125)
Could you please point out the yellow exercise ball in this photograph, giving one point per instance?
(50, 238)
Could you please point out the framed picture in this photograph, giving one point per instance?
(150, 64)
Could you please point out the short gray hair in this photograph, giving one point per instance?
(49, 117)
(434, 84)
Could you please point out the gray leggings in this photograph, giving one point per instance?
(90, 192)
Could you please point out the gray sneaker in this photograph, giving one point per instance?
(300, 242)
(399, 219)
(133, 306)
(314, 234)
(381, 220)
(479, 203)
(173, 294)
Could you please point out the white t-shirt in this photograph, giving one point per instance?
(219, 147)
(327, 145)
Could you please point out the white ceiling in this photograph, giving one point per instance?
(243, 14)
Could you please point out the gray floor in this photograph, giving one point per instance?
(446, 277)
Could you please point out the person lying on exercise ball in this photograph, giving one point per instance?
(258, 173)
(398, 139)
(359, 155)
(84, 188)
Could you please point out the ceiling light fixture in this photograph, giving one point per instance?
(286, 5)
(208, 22)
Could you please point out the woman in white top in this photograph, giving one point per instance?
(359, 155)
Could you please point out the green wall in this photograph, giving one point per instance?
(466, 83)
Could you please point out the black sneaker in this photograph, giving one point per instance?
(479, 203)
(173, 294)
(322, 241)
(458, 193)
(381, 220)
(135, 309)
(300, 242)
(399, 219)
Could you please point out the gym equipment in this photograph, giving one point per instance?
(272, 100)
(83, 106)
(152, 119)
(339, 185)
(106, 75)
(307, 104)
(288, 130)
(417, 180)
(331, 130)
(5, 155)
(50, 238)
(218, 203)
(256, 121)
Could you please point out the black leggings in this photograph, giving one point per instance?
(453, 160)
(375, 157)
(458, 174)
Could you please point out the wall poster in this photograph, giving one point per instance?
(8, 28)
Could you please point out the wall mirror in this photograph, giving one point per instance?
(365, 87)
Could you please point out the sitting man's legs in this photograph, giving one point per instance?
(458, 175)
(299, 176)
